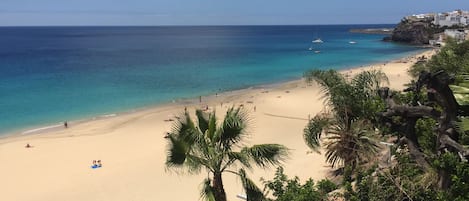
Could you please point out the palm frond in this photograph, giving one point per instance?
(194, 163)
(313, 131)
(368, 147)
(370, 80)
(212, 128)
(333, 154)
(253, 192)
(266, 154)
(207, 192)
(353, 145)
(233, 128)
(243, 158)
(327, 80)
(177, 152)
(185, 130)
(203, 119)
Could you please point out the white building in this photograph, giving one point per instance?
(457, 17)
(458, 34)
(420, 17)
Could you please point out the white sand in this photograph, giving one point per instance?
(133, 150)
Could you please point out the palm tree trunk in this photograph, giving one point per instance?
(219, 193)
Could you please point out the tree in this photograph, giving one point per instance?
(353, 105)
(446, 136)
(285, 189)
(217, 148)
(453, 58)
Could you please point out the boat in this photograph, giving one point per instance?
(317, 51)
(352, 42)
(310, 48)
(318, 40)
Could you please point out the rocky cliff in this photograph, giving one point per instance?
(414, 32)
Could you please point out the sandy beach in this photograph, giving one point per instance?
(132, 147)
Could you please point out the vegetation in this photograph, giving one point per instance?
(453, 58)
(427, 123)
(285, 189)
(217, 148)
(431, 154)
(353, 104)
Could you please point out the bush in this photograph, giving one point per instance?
(285, 189)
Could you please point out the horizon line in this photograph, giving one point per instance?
(200, 25)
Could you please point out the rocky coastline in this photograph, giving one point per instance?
(414, 32)
(386, 31)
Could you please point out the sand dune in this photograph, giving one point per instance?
(133, 150)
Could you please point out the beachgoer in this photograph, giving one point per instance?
(28, 145)
(94, 164)
(254, 108)
(200, 99)
(99, 163)
(65, 124)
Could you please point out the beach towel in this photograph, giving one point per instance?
(95, 166)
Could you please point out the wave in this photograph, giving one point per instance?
(36, 130)
(108, 115)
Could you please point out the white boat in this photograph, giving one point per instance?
(310, 48)
(317, 51)
(352, 42)
(317, 41)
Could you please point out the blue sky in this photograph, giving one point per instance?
(215, 12)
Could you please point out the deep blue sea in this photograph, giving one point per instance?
(52, 74)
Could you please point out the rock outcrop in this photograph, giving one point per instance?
(414, 32)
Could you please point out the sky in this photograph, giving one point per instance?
(215, 12)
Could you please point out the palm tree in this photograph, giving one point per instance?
(347, 129)
(349, 146)
(217, 148)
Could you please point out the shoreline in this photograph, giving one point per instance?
(52, 127)
(133, 149)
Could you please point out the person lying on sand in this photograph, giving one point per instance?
(96, 164)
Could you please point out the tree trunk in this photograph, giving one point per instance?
(444, 179)
(219, 193)
(438, 92)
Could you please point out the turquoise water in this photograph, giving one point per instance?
(52, 74)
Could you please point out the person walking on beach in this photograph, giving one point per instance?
(66, 124)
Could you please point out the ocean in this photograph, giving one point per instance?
(52, 74)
